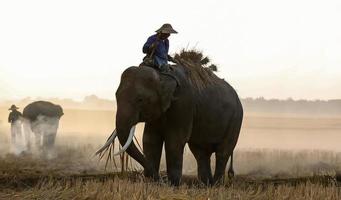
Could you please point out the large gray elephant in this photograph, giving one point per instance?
(42, 118)
(185, 105)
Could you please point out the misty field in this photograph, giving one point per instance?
(277, 157)
(74, 174)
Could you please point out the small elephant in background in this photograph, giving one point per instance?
(42, 118)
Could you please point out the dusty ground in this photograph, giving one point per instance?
(75, 174)
(276, 158)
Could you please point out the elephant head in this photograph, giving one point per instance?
(142, 96)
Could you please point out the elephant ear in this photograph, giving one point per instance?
(167, 89)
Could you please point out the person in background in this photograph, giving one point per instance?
(157, 47)
(15, 118)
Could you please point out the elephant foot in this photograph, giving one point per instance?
(48, 153)
(28, 147)
(174, 181)
(230, 174)
(219, 181)
(206, 181)
(152, 175)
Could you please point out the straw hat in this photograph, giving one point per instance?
(13, 107)
(166, 28)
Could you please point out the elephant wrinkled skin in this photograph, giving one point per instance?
(175, 112)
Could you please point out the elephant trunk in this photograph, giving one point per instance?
(124, 123)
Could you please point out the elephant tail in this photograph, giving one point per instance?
(233, 134)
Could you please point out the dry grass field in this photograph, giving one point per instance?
(277, 157)
(74, 174)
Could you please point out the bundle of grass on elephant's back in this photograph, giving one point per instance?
(199, 67)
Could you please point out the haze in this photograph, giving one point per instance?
(70, 49)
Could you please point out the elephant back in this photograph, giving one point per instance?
(33, 110)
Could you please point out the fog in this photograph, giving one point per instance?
(269, 145)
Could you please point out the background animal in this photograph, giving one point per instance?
(42, 118)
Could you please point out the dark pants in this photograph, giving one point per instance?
(162, 68)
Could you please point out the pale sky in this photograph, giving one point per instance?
(74, 48)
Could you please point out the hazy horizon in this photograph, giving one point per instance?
(69, 49)
(82, 98)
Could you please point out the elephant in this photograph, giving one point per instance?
(177, 108)
(42, 118)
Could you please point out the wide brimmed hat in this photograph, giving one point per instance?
(13, 107)
(166, 28)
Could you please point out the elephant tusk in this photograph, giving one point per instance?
(129, 140)
(109, 141)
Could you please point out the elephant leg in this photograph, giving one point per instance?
(152, 149)
(38, 134)
(174, 160)
(223, 153)
(27, 134)
(49, 140)
(230, 172)
(203, 158)
(49, 137)
(225, 150)
(220, 166)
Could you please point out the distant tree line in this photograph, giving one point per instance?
(289, 105)
(325, 107)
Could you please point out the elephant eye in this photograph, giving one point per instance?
(139, 99)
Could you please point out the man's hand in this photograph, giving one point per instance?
(153, 46)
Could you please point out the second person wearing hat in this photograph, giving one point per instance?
(157, 47)
(15, 118)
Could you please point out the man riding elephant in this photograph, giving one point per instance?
(187, 105)
(157, 47)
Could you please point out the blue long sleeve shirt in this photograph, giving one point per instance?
(161, 51)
